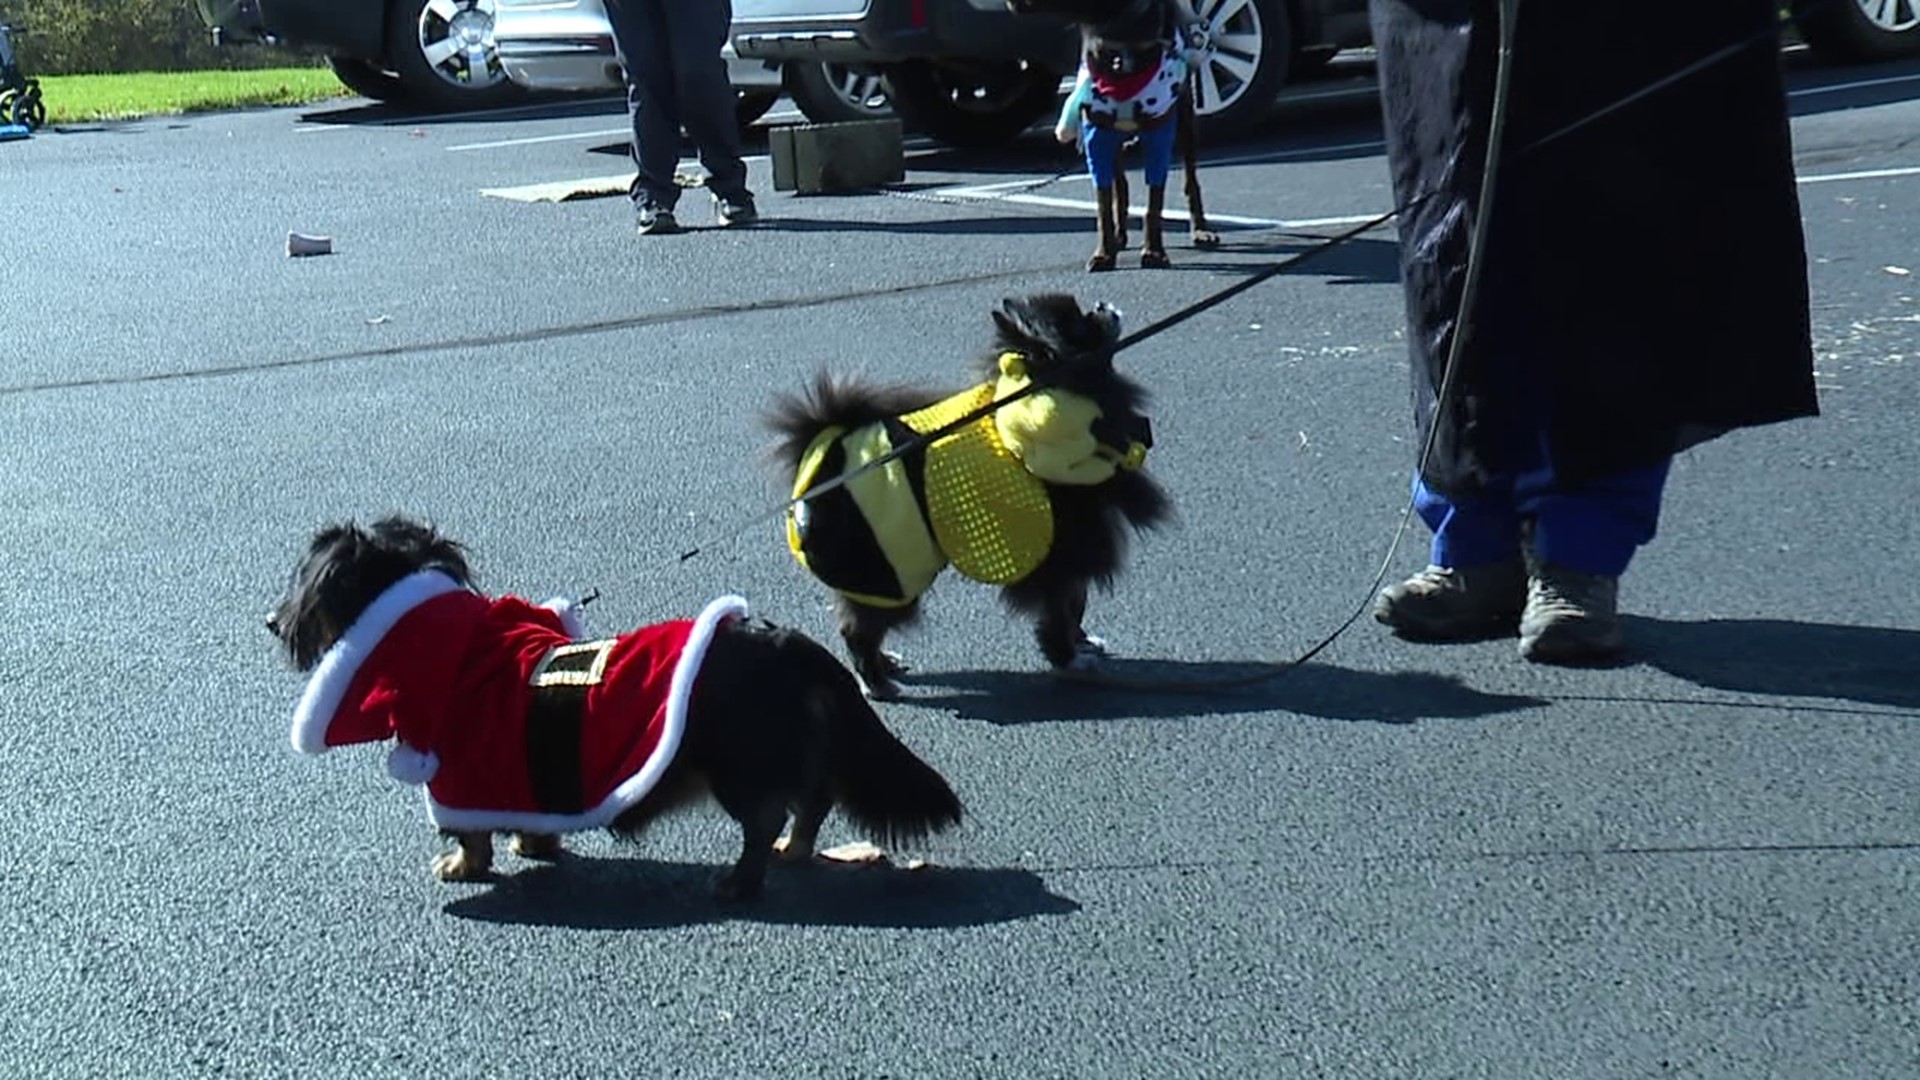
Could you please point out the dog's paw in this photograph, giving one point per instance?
(1088, 653)
(1206, 238)
(1099, 262)
(876, 675)
(1154, 259)
(787, 851)
(879, 688)
(545, 847)
(456, 866)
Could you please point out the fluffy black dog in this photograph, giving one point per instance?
(1037, 497)
(515, 724)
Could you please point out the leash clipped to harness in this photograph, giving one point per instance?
(924, 439)
(1508, 17)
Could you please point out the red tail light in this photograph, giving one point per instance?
(917, 12)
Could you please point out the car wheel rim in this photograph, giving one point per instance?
(861, 90)
(456, 39)
(1893, 16)
(1239, 46)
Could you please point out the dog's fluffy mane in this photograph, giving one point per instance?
(1064, 347)
(346, 567)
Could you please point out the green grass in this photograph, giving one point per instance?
(79, 98)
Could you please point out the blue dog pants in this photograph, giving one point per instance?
(1103, 151)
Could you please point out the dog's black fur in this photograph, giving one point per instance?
(1066, 348)
(1114, 31)
(776, 725)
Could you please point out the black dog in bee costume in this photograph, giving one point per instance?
(1037, 497)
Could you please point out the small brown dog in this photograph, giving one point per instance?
(1133, 83)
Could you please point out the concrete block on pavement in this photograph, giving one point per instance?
(815, 159)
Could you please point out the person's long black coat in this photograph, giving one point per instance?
(1645, 282)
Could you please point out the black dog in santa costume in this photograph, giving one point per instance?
(513, 723)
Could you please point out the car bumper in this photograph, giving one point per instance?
(339, 29)
(568, 45)
(856, 31)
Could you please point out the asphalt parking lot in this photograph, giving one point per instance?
(1397, 861)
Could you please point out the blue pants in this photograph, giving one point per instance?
(676, 78)
(1595, 528)
(1103, 152)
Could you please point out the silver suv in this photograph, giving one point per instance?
(568, 45)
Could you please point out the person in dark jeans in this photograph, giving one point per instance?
(676, 78)
(1645, 290)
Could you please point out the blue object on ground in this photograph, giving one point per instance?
(13, 131)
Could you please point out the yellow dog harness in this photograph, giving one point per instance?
(977, 498)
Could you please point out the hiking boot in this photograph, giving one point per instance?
(1452, 603)
(734, 210)
(655, 220)
(1571, 617)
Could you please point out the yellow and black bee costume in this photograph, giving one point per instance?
(976, 499)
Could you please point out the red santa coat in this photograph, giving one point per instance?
(511, 723)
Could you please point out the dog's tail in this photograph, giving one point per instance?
(834, 401)
(892, 795)
(883, 787)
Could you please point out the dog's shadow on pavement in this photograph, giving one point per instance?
(1358, 261)
(1180, 690)
(1868, 664)
(587, 893)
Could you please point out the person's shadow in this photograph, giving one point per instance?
(587, 893)
(1869, 664)
(1185, 690)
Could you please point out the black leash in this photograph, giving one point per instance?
(972, 416)
(1509, 11)
(1469, 290)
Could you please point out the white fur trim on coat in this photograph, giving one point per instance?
(410, 766)
(635, 787)
(341, 662)
(573, 616)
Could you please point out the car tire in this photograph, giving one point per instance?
(971, 105)
(443, 53)
(836, 93)
(751, 105)
(27, 109)
(1846, 30)
(367, 79)
(1251, 57)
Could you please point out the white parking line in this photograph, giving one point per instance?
(998, 193)
(533, 139)
(1007, 191)
(575, 135)
(1870, 174)
(1861, 85)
